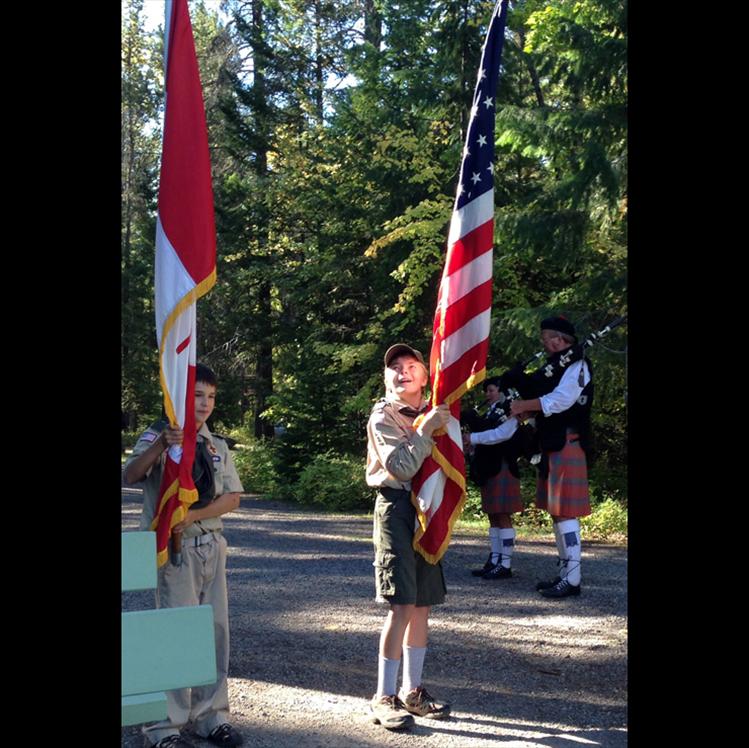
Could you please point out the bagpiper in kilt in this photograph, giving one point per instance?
(495, 447)
(562, 390)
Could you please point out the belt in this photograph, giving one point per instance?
(393, 494)
(206, 537)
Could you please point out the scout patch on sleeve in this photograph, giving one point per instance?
(148, 436)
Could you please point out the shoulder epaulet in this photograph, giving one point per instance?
(159, 425)
(379, 406)
(153, 431)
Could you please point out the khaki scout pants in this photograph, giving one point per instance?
(200, 580)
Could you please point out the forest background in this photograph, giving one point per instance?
(336, 131)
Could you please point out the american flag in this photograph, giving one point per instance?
(461, 322)
(185, 260)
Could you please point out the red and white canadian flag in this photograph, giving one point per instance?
(185, 260)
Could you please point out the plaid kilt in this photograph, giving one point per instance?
(501, 493)
(565, 492)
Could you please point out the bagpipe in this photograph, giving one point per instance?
(515, 384)
(483, 461)
(486, 460)
(519, 381)
(472, 420)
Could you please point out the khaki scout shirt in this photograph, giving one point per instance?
(395, 451)
(226, 479)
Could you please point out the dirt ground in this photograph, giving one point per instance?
(519, 669)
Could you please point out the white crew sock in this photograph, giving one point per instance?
(569, 530)
(387, 676)
(495, 538)
(507, 536)
(413, 664)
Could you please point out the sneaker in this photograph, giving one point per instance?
(498, 572)
(561, 589)
(488, 565)
(545, 585)
(225, 735)
(390, 712)
(418, 701)
(173, 741)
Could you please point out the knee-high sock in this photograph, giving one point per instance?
(570, 533)
(413, 664)
(507, 536)
(495, 538)
(561, 553)
(387, 676)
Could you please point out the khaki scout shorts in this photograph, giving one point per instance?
(402, 576)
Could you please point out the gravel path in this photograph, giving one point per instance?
(519, 669)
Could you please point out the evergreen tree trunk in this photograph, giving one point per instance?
(319, 78)
(531, 71)
(264, 368)
(372, 24)
(264, 364)
(127, 190)
(464, 73)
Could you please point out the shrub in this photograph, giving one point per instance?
(607, 522)
(533, 518)
(336, 482)
(606, 483)
(472, 509)
(256, 467)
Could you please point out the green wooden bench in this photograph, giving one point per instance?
(162, 649)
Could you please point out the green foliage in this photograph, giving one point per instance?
(533, 520)
(607, 522)
(255, 465)
(335, 482)
(333, 199)
(472, 510)
(140, 150)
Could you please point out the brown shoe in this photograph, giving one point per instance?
(418, 701)
(389, 712)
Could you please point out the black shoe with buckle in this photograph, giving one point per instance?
(561, 589)
(173, 741)
(488, 565)
(498, 572)
(225, 735)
